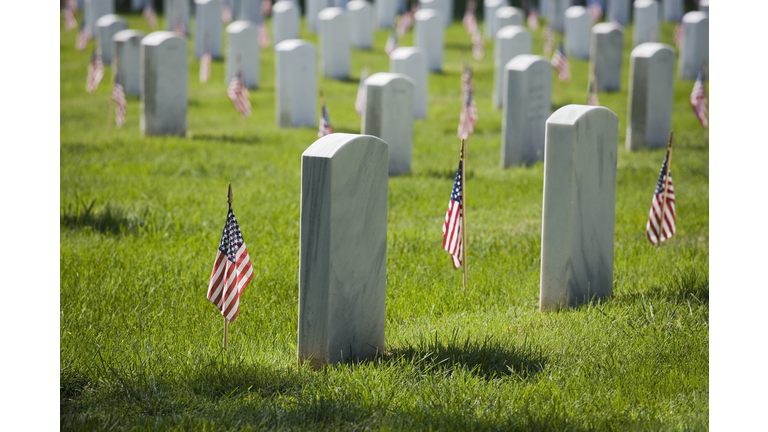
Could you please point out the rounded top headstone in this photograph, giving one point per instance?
(239, 26)
(522, 62)
(356, 5)
(291, 44)
(403, 53)
(695, 17)
(494, 3)
(575, 12)
(282, 6)
(126, 35)
(330, 13)
(384, 78)
(425, 14)
(606, 27)
(571, 114)
(510, 31)
(108, 20)
(506, 12)
(329, 145)
(159, 37)
(643, 3)
(650, 49)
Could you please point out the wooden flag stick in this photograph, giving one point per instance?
(464, 211)
(226, 321)
(666, 183)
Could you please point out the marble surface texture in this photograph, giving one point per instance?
(508, 15)
(248, 10)
(651, 80)
(243, 52)
(511, 41)
(389, 116)
(295, 83)
(412, 62)
(578, 26)
(106, 28)
(335, 51)
(695, 46)
(313, 8)
(646, 17)
(605, 53)
(386, 10)
(556, 14)
(95, 9)
(208, 32)
(429, 34)
(176, 11)
(343, 252)
(671, 10)
(579, 206)
(618, 10)
(526, 108)
(285, 21)
(126, 47)
(360, 28)
(441, 6)
(489, 11)
(164, 83)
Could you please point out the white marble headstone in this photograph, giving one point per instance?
(695, 46)
(605, 54)
(527, 101)
(649, 111)
(430, 37)
(208, 32)
(176, 11)
(295, 83)
(506, 16)
(249, 10)
(360, 28)
(579, 206)
(577, 32)
(243, 52)
(489, 12)
(164, 82)
(441, 6)
(313, 8)
(704, 5)
(95, 9)
(386, 11)
(672, 10)
(106, 27)
(335, 52)
(511, 41)
(646, 22)
(618, 10)
(389, 116)
(126, 47)
(343, 252)
(285, 21)
(556, 14)
(412, 62)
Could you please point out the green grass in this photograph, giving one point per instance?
(140, 218)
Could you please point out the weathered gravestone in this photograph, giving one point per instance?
(489, 12)
(126, 48)
(672, 10)
(430, 37)
(95, 9)
(649, 111)
(411, 62)
(618, 10)
(285, 21)
(556, 14)
(386, 10)
(249, 10)
(579, 206)
(164, 82)
(208, 33)
(335, 54)
(243, 53)
(646, 22)
(313, 8)
(605, 55)
(176, 13)
(106, 27)
(527, 101)
(295, 83)
(389, 116)
(506, 16)
(577, 31)
(360, 28)
(343, 252)
(511, 41)
(441, 6)
(695, 46)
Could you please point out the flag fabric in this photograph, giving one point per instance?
(478, 52)
(406, 22)
(95, 72)
(70, 22)
(699, 100)
(263, 36)
(470, 20)
(325, 123)
(179, 29)
(549, 40)
(226, 13)
(150, 16)
(205, 67)
(232, 270)
(668, 225)
(391, 43)
(560, 62)
(533, 19)
(118, 96)
(82, 37)
(595, 11)
(468, 117)
(679, 31)
(453, 227)
(361, 94)
(592, 99)
(238, 93)
(266, 8)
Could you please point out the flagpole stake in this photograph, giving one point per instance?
(226, 322)
(666, 183)
(112, 102)
(464, 210)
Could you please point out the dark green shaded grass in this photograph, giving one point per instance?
(141, 217)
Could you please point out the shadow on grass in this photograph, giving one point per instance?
(445, 174)
(109, 219)
(235, 139)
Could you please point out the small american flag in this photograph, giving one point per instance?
(232, 270)
(205, 67)
(549, 40)
(652, 227)
(477, 45)
(533, 19)
(325, 123)
(83, 36)
(118, 96)
(266, 8)
(679, 31)
(150, 16)
(95, 72)
(391, 43)
(560, 62)
(699, 100)
(454, 222)
(226, 13)
(470, 21)
(70, 22)
(592, 100)
(468, 117)
(406, 22)
(263, 36)
(179, 28)
(595, 11)
(361, 94)
(238, 93)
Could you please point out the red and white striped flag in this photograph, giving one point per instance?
(150, 16)
(652, 227)
(179, 28)
(263, 36)
(361, 94)
(679, 31)
(592, 99)
(560, 62)
(699, 100)
(205, 67)
(226, 13)
(70, 22)
(118, 96)
(232, 270)
(325, 123)
(478, 52)
(533, 19)
(266, 8)
(470, 20)
(405, 21)
(391, 43)
(549, 40)
(453, 227)
(238, 93)
(95, 73)
(83, 36)
(468, 117)
(595, 11)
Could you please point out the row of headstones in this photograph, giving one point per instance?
(343, 234)
(616, 10)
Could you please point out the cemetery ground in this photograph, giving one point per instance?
(141, 218)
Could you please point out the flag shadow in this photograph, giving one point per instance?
(109, 219)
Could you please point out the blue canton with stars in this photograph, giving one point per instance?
(232, 238)
(456, 192)
(662, 173)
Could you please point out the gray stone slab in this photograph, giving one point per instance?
(672, 10)
(209, 26)
(704, 5)
(579, 206)
(430, 37)
(511, 41)
(489, 12)
(243, 53)
(649, 111)
(360, 28)
(389, 116)
(605, 53)
(646, 27)
(95, 9)
(695, 46)
(335, 52)
(106, 27)
(556, 14)
(285, 21)
(441, 6)
(527, 104)
(343, 249)
(618, 10)
(249, 10)
(386, 11)
(313, 8)
(126, 46)
(176, 11)
(295, 83)
(578, 26)
(506, 16)
(164, 83)
(412, 62)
